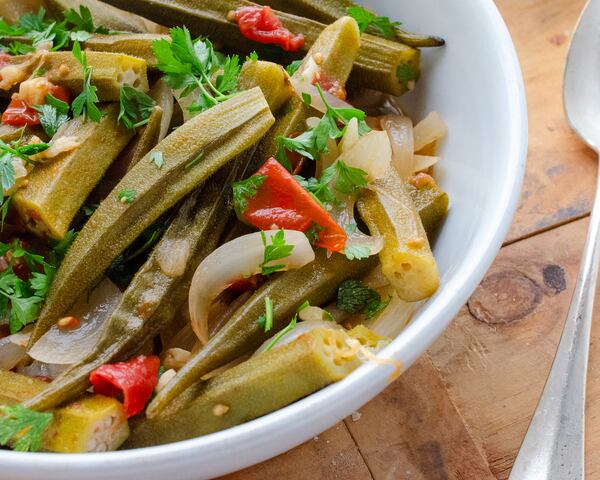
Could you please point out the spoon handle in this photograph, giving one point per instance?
(553, 447)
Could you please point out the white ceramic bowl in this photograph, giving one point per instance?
(476, 85)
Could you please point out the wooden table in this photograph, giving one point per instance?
(462, 410)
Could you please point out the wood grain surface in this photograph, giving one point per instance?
(461, 412)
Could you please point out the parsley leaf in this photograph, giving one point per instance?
(53, 114)
(266, 321)
(82, 21)
(357, 252)
(20, 48)
(281, 333)
(127, 196)
(277, 250)
(157, 158)
(86, 103)
(253, 57)
(293, 67)
(136, 107)
(364, 18)
(348, 180)
(189, 65)
(8, 152)
(22, 427)
(245, 190)
(354, 297)
(318, 188)
(406, 73)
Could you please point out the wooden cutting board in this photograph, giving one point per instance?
(461, 412)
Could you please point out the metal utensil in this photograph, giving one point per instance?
(553, 447)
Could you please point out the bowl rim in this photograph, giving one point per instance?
(279, 431)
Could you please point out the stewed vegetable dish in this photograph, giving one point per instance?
(210, 210)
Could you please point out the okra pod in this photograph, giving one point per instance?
(272, 80)
(93, 423)
(191, 154)
(327, 11)
(381, 64)
(406, 258)
(316, 282)
(264, 383)
(110, 72)
(135, 45)
(11, 11)
(336, 47)
(105, 15)
(56, 190)
(431, 202)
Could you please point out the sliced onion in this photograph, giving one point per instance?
(423, 162)
(400, 132)
(351, 136)
(300, 329)
(64, 347)
(313, 314)
(172, 257)
(371, 153)
(429, 130)
(13, 348)
(302, 85)
(58, 145)
(395, 317)
(239, 258)
(41, 369)
(375, 103)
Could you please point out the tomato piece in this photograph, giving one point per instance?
(281, 202)
(19, 114)
(260, 24)
(134, 379)
(61, 93)
(334, 87)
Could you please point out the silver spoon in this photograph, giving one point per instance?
(554, 445)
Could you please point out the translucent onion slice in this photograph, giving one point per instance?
(13, 348)
(65, 347)
(302, 85)
(429, 130)
(371, 153)
(351, 136)
(400, 133)
(41, 369)
(239, 258)
(172, 257)
(423, 162)
(313, 314)
(300, 329)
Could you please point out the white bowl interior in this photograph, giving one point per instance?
(475, 84)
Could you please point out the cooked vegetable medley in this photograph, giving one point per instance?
(189, 212)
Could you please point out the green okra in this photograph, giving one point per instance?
(104, 15)
(154, 296)
(406, 258)
(11, 10)
(270, 77)
(264, 383)
(56, 190)
(16, 388)
(336, 47)
(381, 64)
(191, 154)
(316, 282)
(110, 72)
(133, 44)
(431, 203)
(327, 11)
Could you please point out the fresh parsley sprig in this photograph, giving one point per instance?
(135, 107)
(9, 151)
(194, 66)
(355, 297)
(313, 142)
(266, 321)
(244, 190)
(53, 114)
(365, 19)
(86, 103)
(278, 249)
(23, 428)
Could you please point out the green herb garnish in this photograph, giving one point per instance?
(53, 114)
(354, 297)
(276, 250)
(245, 190)
(23, 428)
(293, 67)
(266, 321)
(191, 65)
(86, 103)
(127, 196)
(136, 107)
(8, 152)
(281, 333)
(364, 18)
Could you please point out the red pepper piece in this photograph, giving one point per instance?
(19, 113)
(281, 202)
(260, 24)
(134, 379)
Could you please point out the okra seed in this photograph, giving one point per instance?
(415, 243)
(68, 323)
(231, 16)
(318, 58)
(220, 409)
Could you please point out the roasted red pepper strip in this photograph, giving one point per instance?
(260, 24)
(134, 379)
(281, 202)
(19, 113)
